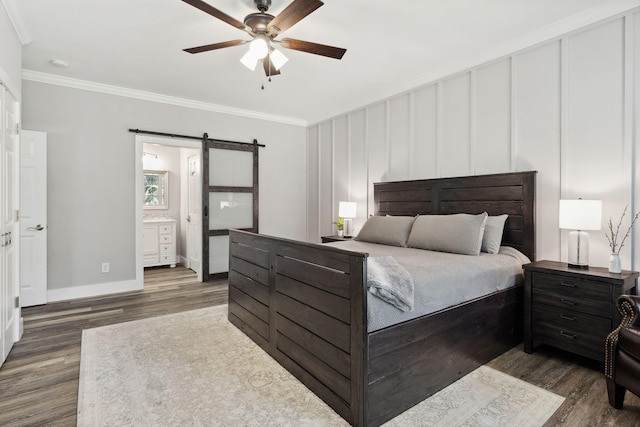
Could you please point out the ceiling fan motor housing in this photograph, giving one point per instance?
(258, 22)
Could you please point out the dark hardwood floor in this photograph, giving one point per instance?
(579, 380)
(39, 380)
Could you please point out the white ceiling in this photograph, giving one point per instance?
(391, 47)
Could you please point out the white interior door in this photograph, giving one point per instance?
(33, 218)
(193, 216)
(9, 151)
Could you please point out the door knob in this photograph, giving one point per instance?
(38, 227)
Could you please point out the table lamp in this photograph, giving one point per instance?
(580, 215)
(347, 210)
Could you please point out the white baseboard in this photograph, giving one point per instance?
(99, 289)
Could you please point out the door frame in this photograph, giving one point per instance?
(139, 184)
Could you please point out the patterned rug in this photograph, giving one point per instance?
(196, 369)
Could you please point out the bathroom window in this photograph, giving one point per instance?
(156, 189)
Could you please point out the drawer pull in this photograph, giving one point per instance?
(564, 334)
(572, 318)
(568, 284)
(567, 301)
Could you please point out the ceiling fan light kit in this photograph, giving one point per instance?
(264, 28)
(259, 46)
(250, 60)
(277, 58)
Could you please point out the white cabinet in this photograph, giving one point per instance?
(159, 242)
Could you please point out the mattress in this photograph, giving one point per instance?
(441, 279)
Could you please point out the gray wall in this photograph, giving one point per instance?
(568, 108)
(91, 174)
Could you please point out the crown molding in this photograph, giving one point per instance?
(52, 79)
(18, 23)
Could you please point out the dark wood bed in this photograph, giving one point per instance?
(305, 304)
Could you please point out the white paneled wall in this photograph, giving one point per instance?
(568, 108)
(536, 121)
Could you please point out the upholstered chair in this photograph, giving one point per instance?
(622, 352)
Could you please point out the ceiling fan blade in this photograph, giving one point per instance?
(315, 48)
(215, 46)
(269, 68)
(292, 14)
(207, 8)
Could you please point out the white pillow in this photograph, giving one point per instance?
(457, 233)
(386, 230)
(493, 233)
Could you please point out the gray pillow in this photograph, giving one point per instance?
(493, 233)
(457, 233)
(386, 230)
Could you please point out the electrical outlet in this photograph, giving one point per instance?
(105, 267)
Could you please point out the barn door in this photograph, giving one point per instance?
(230, 198)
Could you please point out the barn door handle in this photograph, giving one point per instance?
(38, 227)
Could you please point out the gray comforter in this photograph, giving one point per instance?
(441, 279)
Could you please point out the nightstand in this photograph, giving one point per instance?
(327, 239)
(572, 309)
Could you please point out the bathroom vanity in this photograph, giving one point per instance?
(159, 242)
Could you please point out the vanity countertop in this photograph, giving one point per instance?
(158, 219)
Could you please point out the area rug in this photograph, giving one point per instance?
(196, 369)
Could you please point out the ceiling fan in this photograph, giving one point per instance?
(264, 28)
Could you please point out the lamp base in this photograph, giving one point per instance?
(348, 227)
(578, 249)
(582, 266)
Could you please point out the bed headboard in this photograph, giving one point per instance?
(510, 193)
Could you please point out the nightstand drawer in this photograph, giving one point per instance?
(571, 330)
(576, 294)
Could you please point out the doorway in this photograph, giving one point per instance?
(188, 173)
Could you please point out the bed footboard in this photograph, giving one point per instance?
(304, 305)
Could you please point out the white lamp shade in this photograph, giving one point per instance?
(278, 59)
(250, 60)
(347, 209)
(259, 46)
(580, 214)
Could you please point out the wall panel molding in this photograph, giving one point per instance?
(551, 107)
